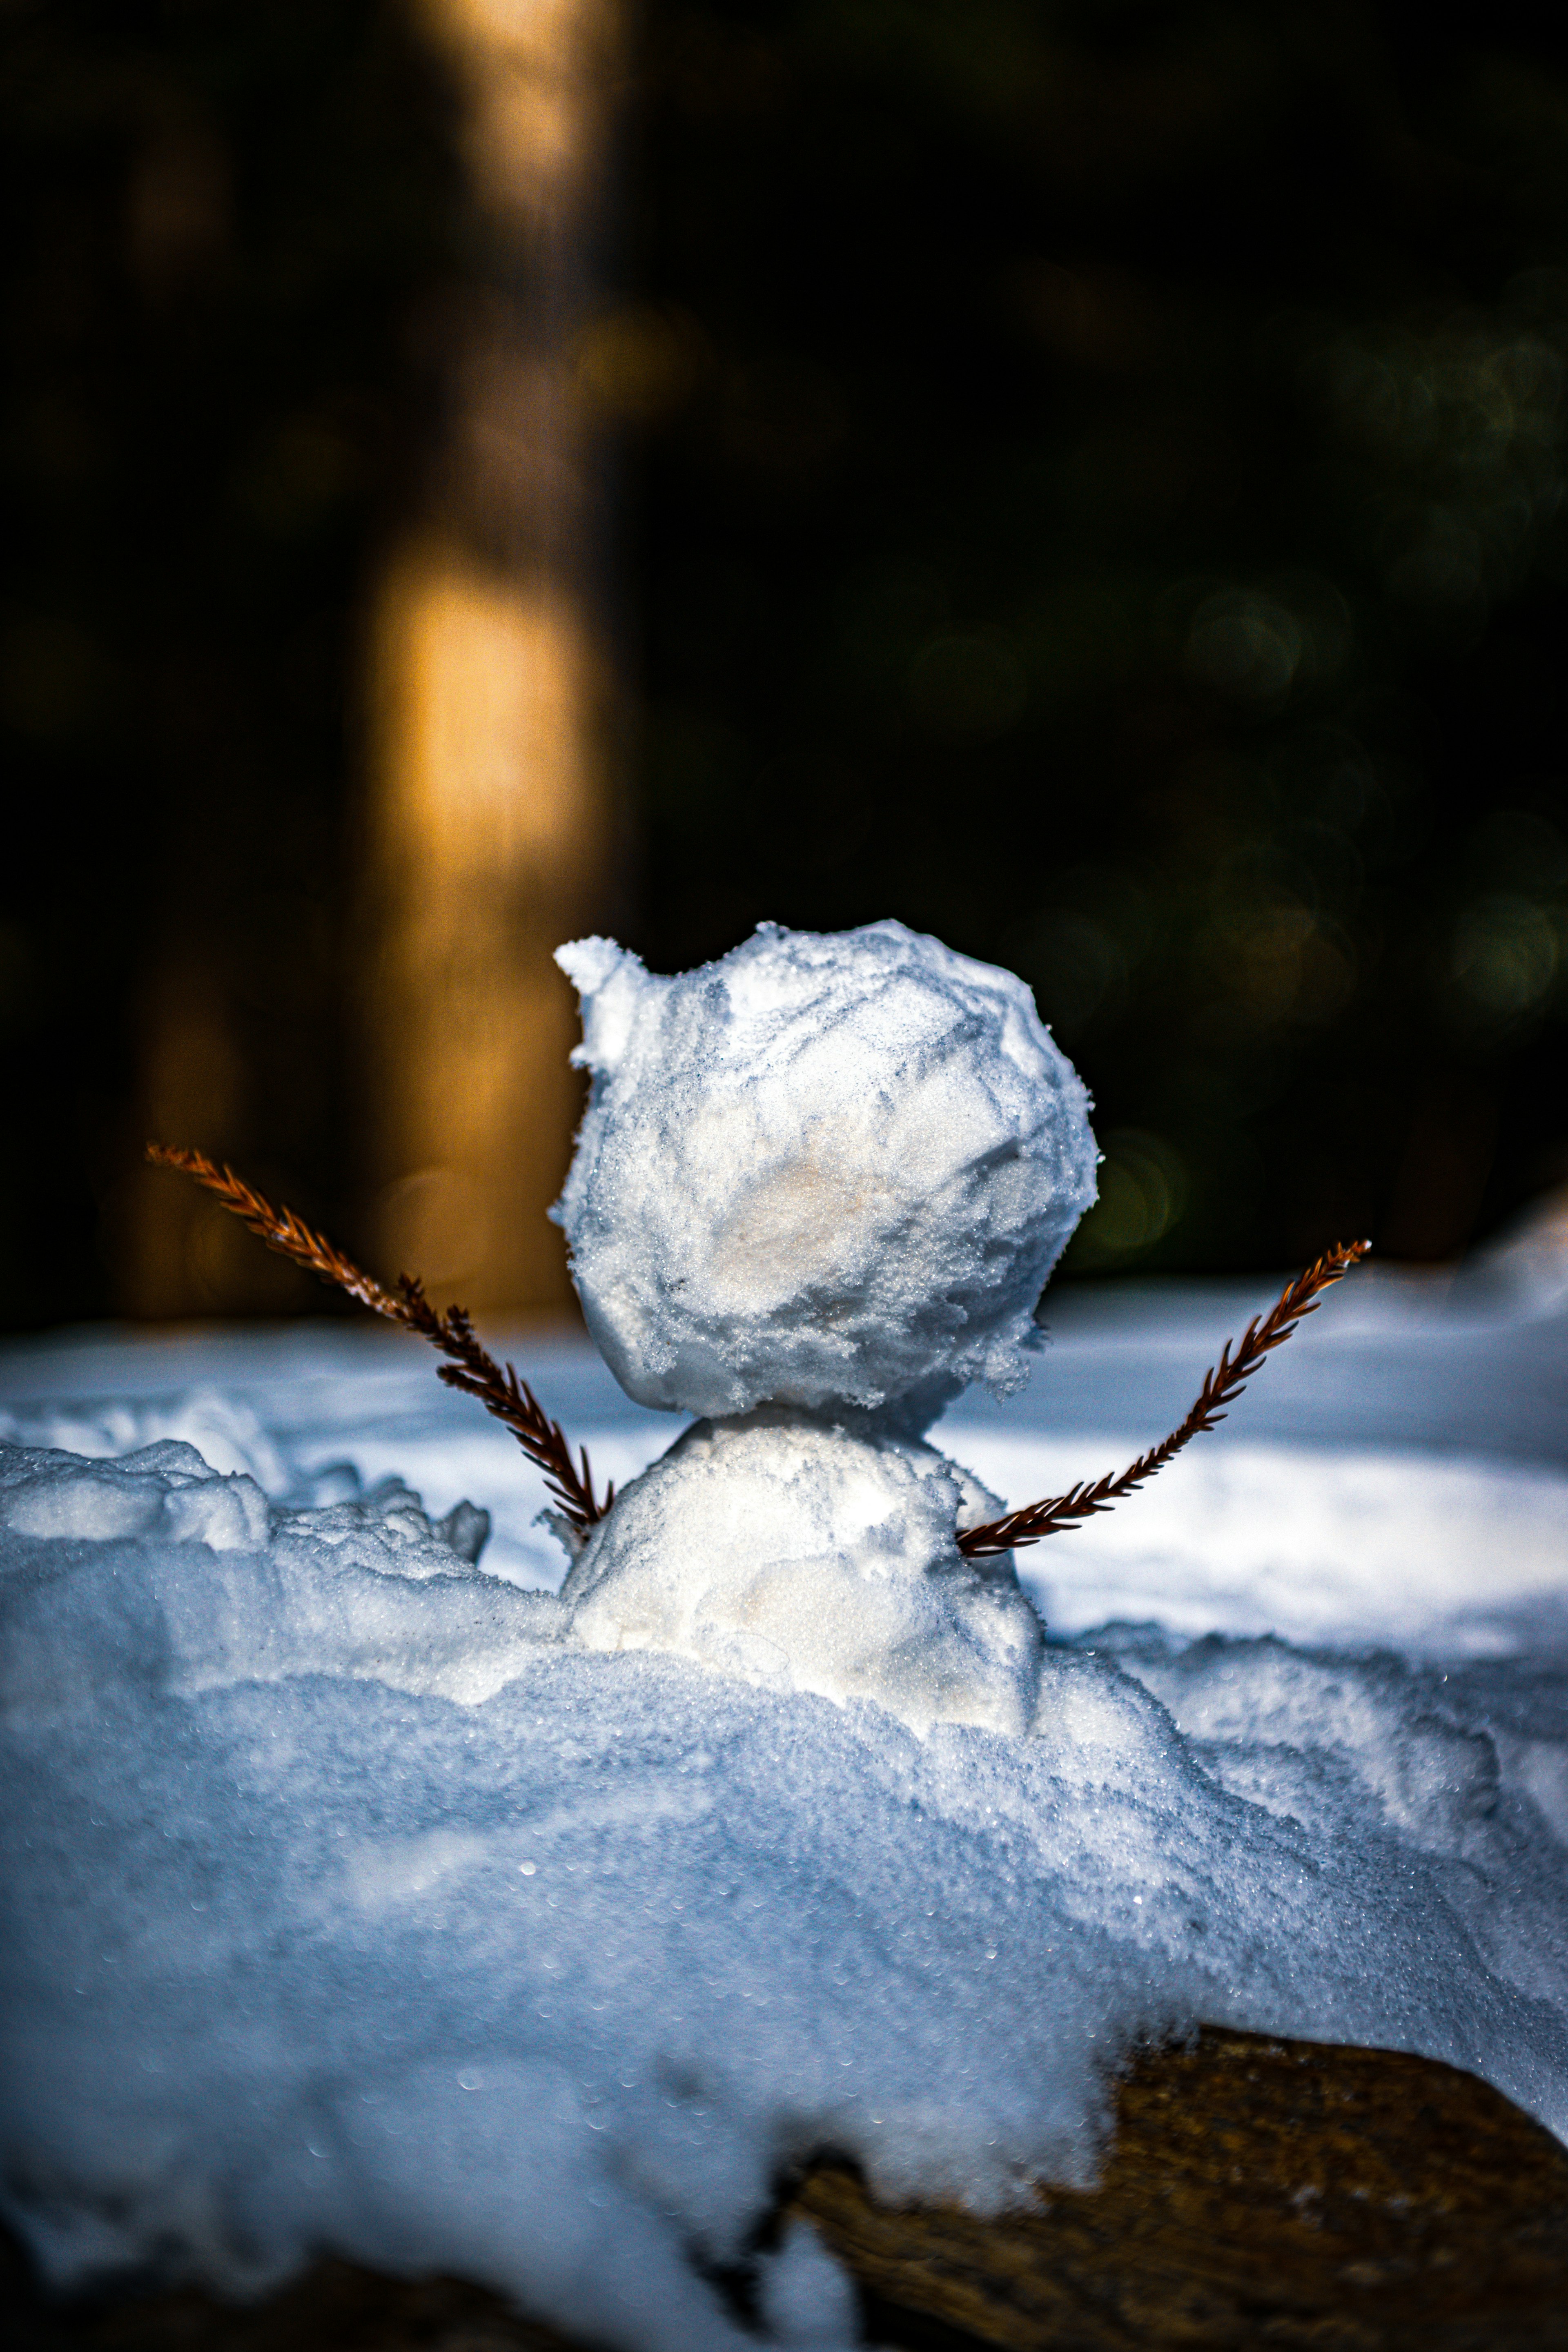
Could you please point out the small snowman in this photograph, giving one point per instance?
(818, 1189)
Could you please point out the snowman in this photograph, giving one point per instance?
(818, 1189)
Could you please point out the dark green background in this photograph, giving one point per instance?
(1090, 487)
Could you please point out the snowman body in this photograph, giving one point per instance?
(818, 1188)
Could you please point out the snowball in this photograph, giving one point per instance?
(814, 1560)
(828, 1168)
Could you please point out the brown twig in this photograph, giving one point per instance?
(471, 1367)
(1222, 1384)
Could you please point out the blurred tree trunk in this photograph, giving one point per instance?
(487, 818)
(485, 806)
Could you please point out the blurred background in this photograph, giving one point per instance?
(1086, 479)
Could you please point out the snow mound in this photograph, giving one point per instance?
(350, 1903)
(829, 1168)
(811, 1559)
(188, 1580)
(223, 1430)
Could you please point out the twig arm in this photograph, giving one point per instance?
(1222, 1382)
(470, 1366)
(281, 1229)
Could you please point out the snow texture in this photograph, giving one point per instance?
(828, 1169)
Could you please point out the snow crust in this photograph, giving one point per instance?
(827, 1168)
(355, 1898)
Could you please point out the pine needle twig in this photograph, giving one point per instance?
(471, 1367)
(1222, 1382)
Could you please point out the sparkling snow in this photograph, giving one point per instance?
(355, 1902)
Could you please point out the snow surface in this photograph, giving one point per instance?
(358, 1897)
(829, 1168)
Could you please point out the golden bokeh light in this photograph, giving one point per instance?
(486, 833)
(486, 829)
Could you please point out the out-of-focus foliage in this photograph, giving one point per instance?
(227, 228)
(1101, 474)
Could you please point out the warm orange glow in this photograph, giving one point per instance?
(487, 829)
(534, 72)
(486, 686)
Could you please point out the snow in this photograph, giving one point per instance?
(815, 1559)
(827, 1169)
(805, 2297)
(355, 1901)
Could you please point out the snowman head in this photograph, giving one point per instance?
(829, 1170)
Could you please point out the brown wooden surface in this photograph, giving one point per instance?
(1259, 2193)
